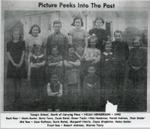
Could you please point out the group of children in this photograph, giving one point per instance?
(66, 75)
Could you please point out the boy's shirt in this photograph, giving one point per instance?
(92, 82)
(120, 50)
(54, 88)
(137, 57)
(59, 40)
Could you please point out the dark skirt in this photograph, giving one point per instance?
(16, 73)
(38, 81)
(37, 77)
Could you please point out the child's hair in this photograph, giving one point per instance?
(73, 24)
(118, 31)
(35, 25)
(57, 22)
(20, 33)
(99, 18)
(35, 47)
(139, 39)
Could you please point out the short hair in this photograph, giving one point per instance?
(118, 31)
(20, 32)
(73, 24)
(35, 25)
(53, 75)
(57, 22)
(140, 40)
(99, 18)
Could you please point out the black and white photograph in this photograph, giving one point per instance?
(75, 64)
(75, 60)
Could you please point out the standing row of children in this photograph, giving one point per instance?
(73, 72)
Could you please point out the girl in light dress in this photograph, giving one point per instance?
(36, 62)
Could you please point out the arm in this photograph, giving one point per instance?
(53, 64)
(86, 40)
(48, 45)
(11, 59)
(22, 59)
(76, 63)
(60, 93)
(70, 38)
(67, 64)
(41, 64)
(44, 44)
(126, 51)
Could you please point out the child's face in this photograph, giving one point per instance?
(78, 23)
(54, 51)
(16, 35)
(99, 23)
(136, 42)
(57, 27)
(91, 70)
(118, 36)
(35, 31)
(71, 50)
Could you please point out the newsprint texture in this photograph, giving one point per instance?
(75, 64)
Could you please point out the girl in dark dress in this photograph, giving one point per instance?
(16, 66)
(99, 32)
(108, 79)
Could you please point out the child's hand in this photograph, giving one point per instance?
(16, 65)
(59, 64)
(135, 68)
(56, 93)
(59, 95)
(19, 65)
(94, 61)
(89, 85)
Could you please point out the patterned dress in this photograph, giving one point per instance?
(37, 76)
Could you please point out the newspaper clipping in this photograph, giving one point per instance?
(75, 64)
